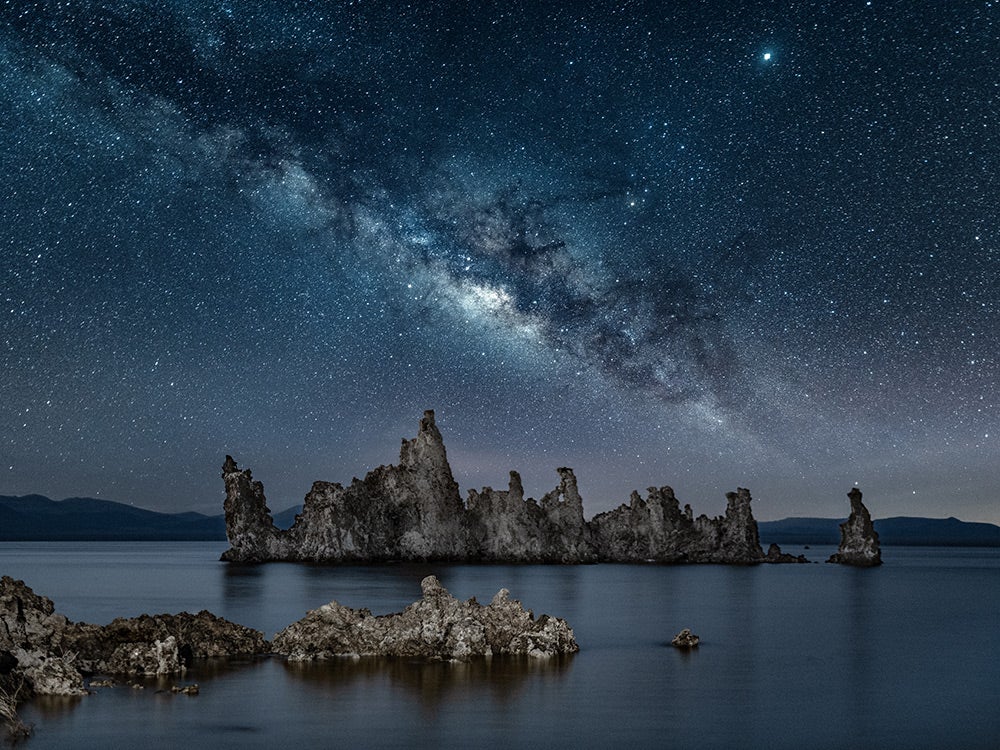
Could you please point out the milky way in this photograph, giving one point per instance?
(664, 244)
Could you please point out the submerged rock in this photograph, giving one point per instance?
(685, 639)
(859, 545)
(413, 511)
(438, 626)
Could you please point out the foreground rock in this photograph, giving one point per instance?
(438, 626)
(159, 644)
(413, 511)
(31, 634)
(47, 654)
(859, 545)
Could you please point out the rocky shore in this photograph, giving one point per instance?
(413, 511)
(44, 653)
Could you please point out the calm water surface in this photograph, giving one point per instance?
(795, 656)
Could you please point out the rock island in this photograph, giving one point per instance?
(413, 511)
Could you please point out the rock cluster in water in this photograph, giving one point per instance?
(50, 653)
(438, 626)
(160, 644)
(685, 639)
(44, 653)
(859, 543)
(413, 511)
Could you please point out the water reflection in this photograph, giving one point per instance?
(865, 681)
(434, 684)
(242, 581)
(142, 686)
(49, 707)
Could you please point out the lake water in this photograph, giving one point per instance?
(792, 656)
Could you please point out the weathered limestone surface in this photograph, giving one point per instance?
(504, 527)
(413, 511)
(30, 638)
(656, 529)
(437, 626)
(158, 644)
(49, 653)
(859, 543)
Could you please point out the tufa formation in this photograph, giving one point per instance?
(859, 544)
(413, 511)
(49, 653)
(437, 627)
(44, 653)
(685, 640)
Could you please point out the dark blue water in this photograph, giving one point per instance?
(817, 656)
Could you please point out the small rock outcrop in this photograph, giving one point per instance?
(438, 626)
(775, 555)
(859, 545)
(685, 639)
(413, 511)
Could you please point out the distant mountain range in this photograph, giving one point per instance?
(37, 518)
(896, 531)
(34, 517)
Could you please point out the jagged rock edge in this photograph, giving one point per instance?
(414, 511)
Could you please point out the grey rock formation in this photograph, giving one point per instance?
(859, 545)
(438, 627)
(775, 555)
(158, 657)
(685, 639)
(31, 634)
(413, 511)
(504, 527)
(49, 653)
(657, 530)
(159, 644)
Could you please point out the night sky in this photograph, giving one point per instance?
(703, 244)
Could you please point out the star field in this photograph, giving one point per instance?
(691, 244)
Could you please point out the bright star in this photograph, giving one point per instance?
(767, 56)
